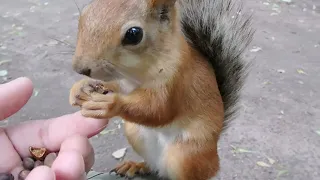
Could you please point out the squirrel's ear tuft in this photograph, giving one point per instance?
(163, 8)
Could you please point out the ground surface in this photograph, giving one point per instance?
(277, 135)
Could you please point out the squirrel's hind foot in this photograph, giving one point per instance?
(130, 169)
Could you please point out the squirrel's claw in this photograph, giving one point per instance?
(130, 169)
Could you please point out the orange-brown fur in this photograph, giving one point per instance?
(170, 93)
(197, 158)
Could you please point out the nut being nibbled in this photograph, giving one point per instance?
(99, 88)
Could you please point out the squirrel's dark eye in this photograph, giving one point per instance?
(133, 36)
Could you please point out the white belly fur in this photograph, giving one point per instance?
(156, 141)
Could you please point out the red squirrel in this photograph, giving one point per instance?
(172, 70)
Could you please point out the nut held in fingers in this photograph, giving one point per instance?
(48, 161)
(38, 153)
(23, 174)
(6, 176)
(38, 163)
(28, 163)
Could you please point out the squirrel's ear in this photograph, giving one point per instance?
(163, 8)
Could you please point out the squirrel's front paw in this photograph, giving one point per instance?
(83, 89)
(101, 106)
(97, 99)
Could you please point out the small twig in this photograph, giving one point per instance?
(77, 6)
(95, 175)
(63, 42)
(65, 52)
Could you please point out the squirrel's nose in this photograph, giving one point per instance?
(86, 72)
(79, 66)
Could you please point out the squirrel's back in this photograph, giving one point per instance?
(221, 35)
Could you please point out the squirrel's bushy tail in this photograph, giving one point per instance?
(221, 32)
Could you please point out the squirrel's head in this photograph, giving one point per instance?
(132, 37)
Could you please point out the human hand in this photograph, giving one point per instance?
(67, 134)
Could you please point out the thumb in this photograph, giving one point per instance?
(41, 173)
(14, 95)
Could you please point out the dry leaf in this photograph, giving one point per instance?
(276, 7)
(241, 150)
(282, 172)
(300, 71)
(271, 161)
(107, 131)
(256, 49)
(266, 82)
(35, 93)
(263, 164)
(4, 62)
(3, 73)
(53, 43)
(281, 71)
(32, 8)
(19, 28)
(119, 154)
(104, 132)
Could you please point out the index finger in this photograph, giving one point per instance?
(51, 133)
(14, 95)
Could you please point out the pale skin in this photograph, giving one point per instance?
(71, 139)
